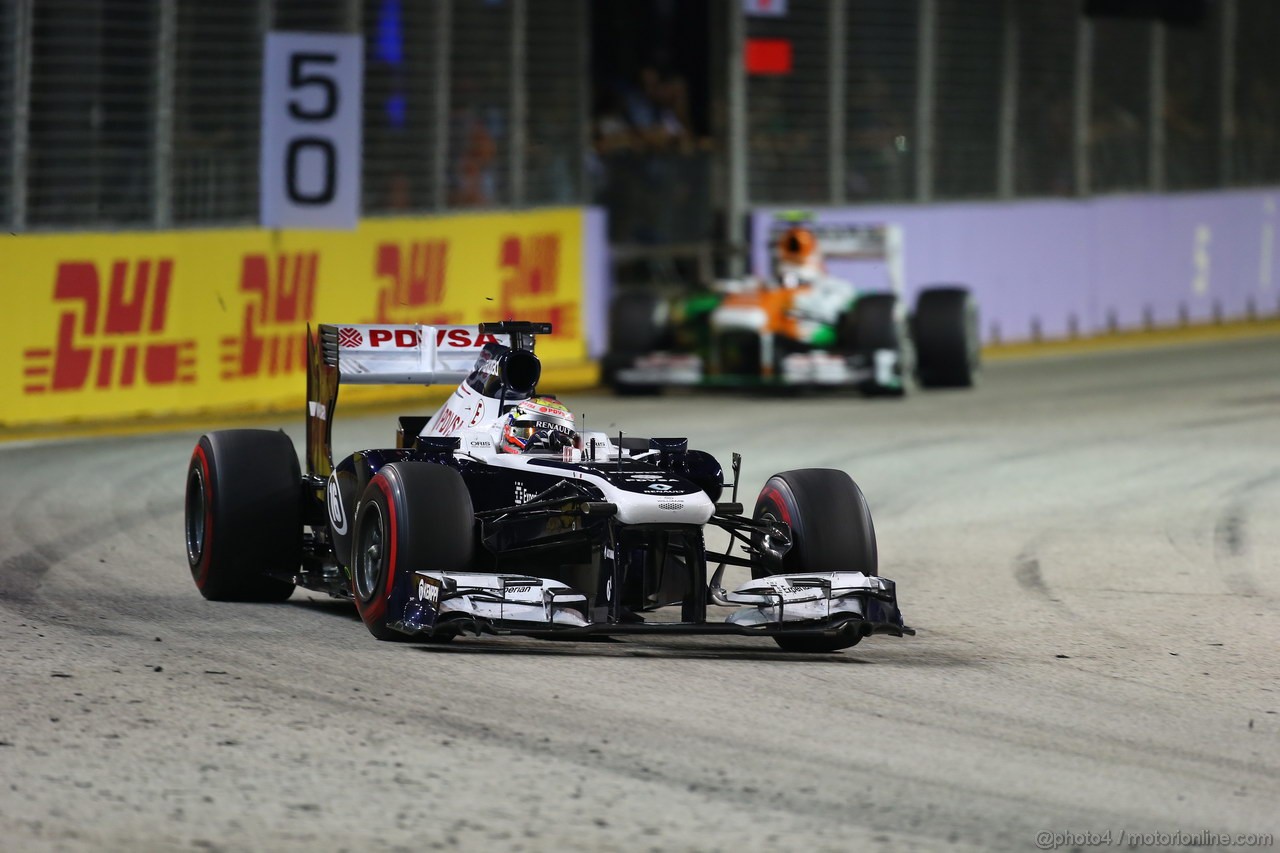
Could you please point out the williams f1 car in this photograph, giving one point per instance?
(497, 515)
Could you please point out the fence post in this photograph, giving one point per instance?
(1083, 81)
(926, 92)
(440, 131)
(1226, 92)
(22, 27)
(1155, 110)
(519, 102)
(836, 26)
(162, 135)
(1005, 148)
(585, 106)
(737, 201)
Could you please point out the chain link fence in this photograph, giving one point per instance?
(788, 111)
(8, 129)
(881, 80)
(1047, 35)
(1254, 127)
(146, 113)
(955, 99)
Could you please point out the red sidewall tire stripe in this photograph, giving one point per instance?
(775, 497)
(376, 609)
(206, 551)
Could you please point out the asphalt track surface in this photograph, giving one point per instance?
(1088, 546)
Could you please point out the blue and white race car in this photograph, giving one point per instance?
(498, 515)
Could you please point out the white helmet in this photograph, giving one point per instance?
(538, 422)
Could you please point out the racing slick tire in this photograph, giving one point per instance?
(243, 515)
(945, 330)
(412, 515)
(634, 330)
(875, 323)
(831, 531)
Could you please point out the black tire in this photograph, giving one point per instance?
(874, 324)
(945, 330)
(243, 515)
(412, 515)
(634, 329)
(831, 531)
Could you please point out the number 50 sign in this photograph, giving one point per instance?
(310, 175)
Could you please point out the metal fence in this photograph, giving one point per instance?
(146, 113)
(950, 99)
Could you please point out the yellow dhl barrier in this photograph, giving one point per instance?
(110, 326)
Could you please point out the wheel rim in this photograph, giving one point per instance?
(772, 548)
(369, 553)
(195, 515)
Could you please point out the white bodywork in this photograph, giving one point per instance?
(658, 504)
(504, 598)
(800, 597)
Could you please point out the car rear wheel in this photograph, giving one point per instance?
(945, 330)
(874, 325)
(634, 330)
(243, 516)
(831, 531)
(413, 515)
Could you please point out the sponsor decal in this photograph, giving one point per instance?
(523, 494)
(428, 590)
(348, 337)
(447, 422)
(463, 338)
(480, 444)
(644, 478)
(413, 275)
(395, 337)
(658, 487)
(281, 302)
(337, 514)
(111, 334)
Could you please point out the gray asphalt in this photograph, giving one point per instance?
(1088, 546)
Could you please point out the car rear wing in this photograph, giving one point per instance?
(382, 354)
(403, 354)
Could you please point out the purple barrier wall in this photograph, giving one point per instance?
(1114, 262)
(598, 284)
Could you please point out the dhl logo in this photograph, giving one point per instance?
(531, 267)
(273, 336)
(414, 274)
(112, 339)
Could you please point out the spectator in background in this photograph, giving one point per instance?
(474, 137)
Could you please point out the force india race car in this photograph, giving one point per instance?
(494, 517)
(802, 328)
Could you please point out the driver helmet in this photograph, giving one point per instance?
(537, 422)
(799, 258)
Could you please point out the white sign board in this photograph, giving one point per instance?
(311, 120)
